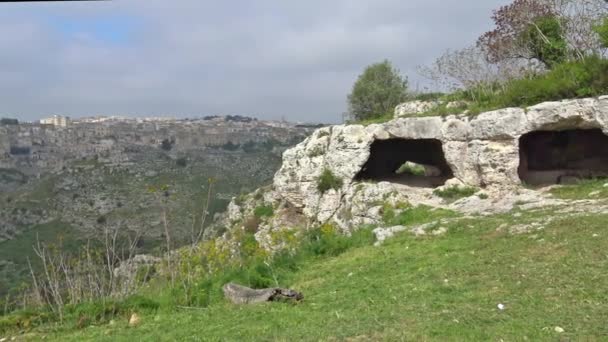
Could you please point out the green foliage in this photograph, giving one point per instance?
(328, 181)
(375, 120)
(418, 215)
(568, 80)
(576, 79)
(428, 96)
(377, 91)
(602, 31)
(99, 312)
(24, 320)
(411, 169)
(145, 273)
(455, 192)
(263, 211)
(546, 41)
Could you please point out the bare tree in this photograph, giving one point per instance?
(469, 68)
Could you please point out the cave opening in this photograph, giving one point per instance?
(412, 162)
(563, 157)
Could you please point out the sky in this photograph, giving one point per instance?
(269, 59)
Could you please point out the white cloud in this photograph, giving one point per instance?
(266, 58)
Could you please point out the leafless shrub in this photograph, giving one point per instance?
(469, 68)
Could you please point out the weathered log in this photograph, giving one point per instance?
(239, 294)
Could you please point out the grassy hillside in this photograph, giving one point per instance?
(436, 288)
(70, 205)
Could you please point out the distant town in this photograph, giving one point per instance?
(48, 143)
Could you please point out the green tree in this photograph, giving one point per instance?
(377, 91)
(602, 31)
(545, 40)
(526, 29)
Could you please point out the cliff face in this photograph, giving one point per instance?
(499, 151)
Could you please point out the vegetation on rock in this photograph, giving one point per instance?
(454, 193)
(327, 181)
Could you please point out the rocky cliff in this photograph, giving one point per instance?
(495, 153)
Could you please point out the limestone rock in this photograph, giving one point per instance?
(482, 151)
(415, 107)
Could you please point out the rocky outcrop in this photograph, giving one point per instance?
(481, 152)
(415, 107)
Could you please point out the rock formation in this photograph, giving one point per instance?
(549, 143)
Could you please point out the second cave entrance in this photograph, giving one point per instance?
(563, 157)
(413, 162)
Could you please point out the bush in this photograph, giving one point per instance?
(328, 181)
(263, 211)
(377, 92)
(602, 31)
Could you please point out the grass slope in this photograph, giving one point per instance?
(438, 288)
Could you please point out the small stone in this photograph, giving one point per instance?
(559, 330)
(596, 235)
(594, 193)
(135, 320)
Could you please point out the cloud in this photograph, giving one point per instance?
(266, 58)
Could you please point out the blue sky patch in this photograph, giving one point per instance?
(114, 29)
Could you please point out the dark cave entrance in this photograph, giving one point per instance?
(563, 157)
(413, 162)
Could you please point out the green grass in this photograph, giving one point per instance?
(377, 120)
(435, 288)
(263, 211)
(415, 215)
(455, 192)
(587, 189)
